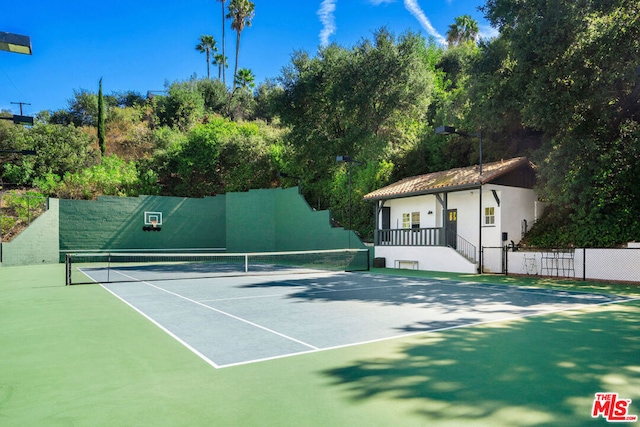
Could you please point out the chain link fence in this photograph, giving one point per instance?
(617, 265)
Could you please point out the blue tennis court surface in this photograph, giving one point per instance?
(229, 321)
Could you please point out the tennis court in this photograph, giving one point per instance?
(239, 319)
(77, 355)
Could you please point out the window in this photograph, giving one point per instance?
(406, 220)
(415, 219)
(411, 220)
(489, 216)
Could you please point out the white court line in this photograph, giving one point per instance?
(500, 289)
(322, 290)
(256, 296)
(171, 334)
(241, 298)
(314, 349)
(227, 314)
(365, 288)
(448, 328)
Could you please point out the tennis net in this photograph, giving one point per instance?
(85, 268)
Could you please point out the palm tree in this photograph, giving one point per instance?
(464, 29)
(244, 79)
(221, 61)
(241, 13)
(224, 78)
(207, 45)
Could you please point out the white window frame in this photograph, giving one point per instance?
(415, 219)
(406, 221)
(411, 220)
(489, 216)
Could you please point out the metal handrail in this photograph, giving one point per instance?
(462, 246)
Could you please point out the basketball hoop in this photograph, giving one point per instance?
(152, 221)
(153, 225)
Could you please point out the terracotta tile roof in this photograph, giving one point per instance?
(448, 180)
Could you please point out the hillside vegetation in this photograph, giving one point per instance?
(560, 85)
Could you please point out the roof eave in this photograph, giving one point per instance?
(448, 189)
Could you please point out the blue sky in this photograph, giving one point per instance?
(140, 44)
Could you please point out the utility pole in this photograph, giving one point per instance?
(21, 104)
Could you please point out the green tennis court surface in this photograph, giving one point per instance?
(234, 320)
(484, 350)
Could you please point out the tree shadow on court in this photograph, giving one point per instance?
(570, 284)
(529, 372)
(449, 303)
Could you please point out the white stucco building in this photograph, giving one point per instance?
(440, 221)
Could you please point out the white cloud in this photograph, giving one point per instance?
(325, 13)
(487, 32)
(413, 7)
(327, 18)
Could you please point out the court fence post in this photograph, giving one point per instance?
(505, 257)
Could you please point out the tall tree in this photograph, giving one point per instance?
(83, 108)
(221, 61)
(245, 80)
(241, 100)
(182, 107)
(369, 102)
(266, 97)
(224, 55)
(241, 13)
(464, 29)
(101, 130)
(207, 45)
(217, 157)
(569, 69)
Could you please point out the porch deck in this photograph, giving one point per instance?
(425, 237)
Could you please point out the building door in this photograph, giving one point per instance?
(386, 218)
(385, 223)
(452, 228)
